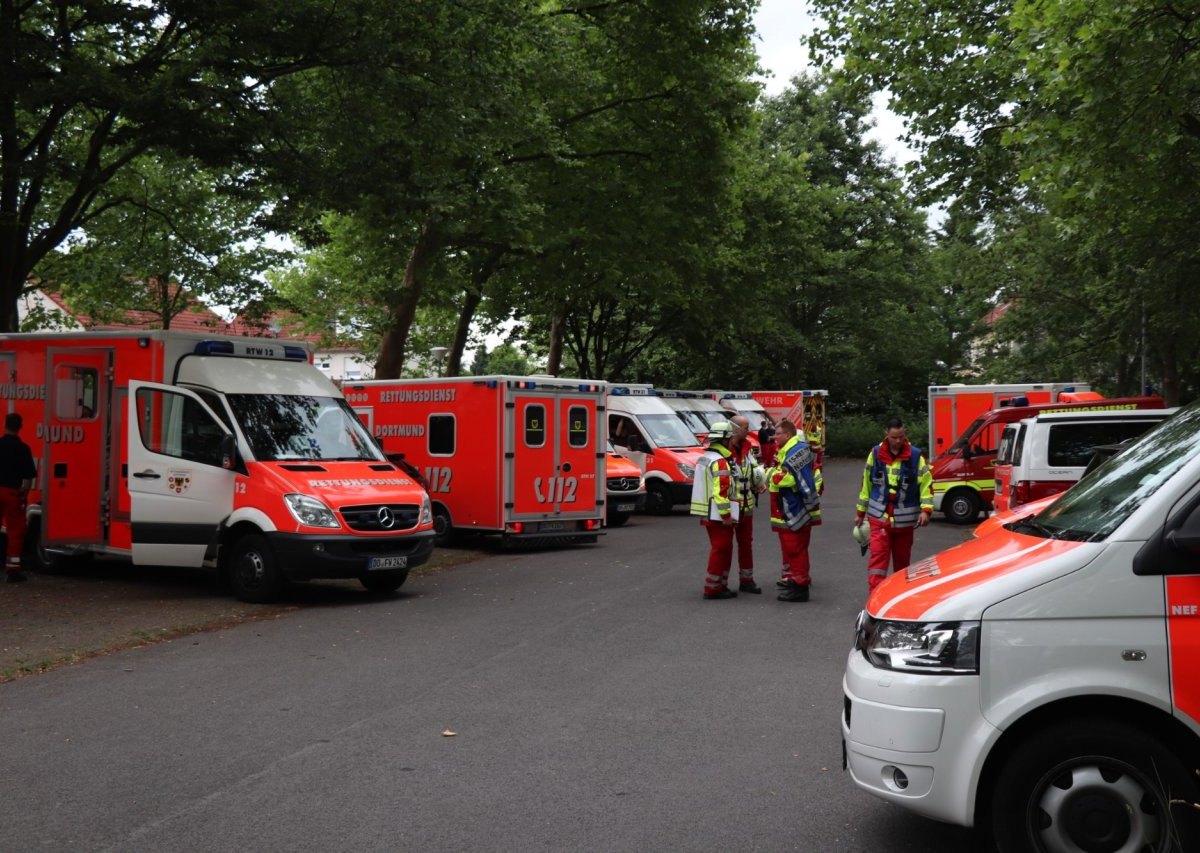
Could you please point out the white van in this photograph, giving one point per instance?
(1043, 681)
(647, 432)
(1047, 453)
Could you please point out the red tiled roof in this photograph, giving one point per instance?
(195, 318)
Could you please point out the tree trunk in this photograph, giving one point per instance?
(1170, 375)
(471, 299)
(554, 357)
(404, 309)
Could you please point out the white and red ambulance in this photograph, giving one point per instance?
(181, 449)
(1042, 682)
(518, 456)
(647, 432)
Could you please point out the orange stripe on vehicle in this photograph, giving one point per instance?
(932, 581)
(1183, 638)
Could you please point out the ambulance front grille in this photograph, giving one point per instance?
(374, 518)
(623, 484)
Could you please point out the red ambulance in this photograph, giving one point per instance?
(952, 408)
(647, 432)
(521, 457)
(964, 475)
(181, 449)
(1042, 682)
(625, 487)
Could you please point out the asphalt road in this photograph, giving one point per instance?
(597, 704)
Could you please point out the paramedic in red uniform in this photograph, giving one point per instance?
(724, 493)
(16, 479)
(897, 497)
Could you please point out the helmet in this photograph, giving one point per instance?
(862, 533)
(720, 429)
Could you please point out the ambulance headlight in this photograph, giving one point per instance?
(941, 648)
(688, 471)
(426, 510)
(310, 511)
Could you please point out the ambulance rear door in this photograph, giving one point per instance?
(75, 438)
(180, 493)
(551, 442)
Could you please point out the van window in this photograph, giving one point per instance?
(577, 426)
(1011, 442)
(441, 435)
(1073, 444)
(535, 426)
(176, 425)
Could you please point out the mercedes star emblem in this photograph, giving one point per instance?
(386, 519)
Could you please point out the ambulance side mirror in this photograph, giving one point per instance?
(228, 451)
(1186, 537)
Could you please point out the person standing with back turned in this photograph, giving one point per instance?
(897, 497)
(16, 479)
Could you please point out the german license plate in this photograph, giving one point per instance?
(553, 525)
(626, 507)
(378, 563)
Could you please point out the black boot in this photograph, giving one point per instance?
(793, 592)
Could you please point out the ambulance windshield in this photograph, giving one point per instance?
(282, 427)
(1104, 498)
(667, 431)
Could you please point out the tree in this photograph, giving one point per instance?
(87, 88)
(169, 233)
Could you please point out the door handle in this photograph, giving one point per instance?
(148, 475)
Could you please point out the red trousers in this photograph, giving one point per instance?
(794, 545)
(888, 543)
(12, 510)
(720, 553)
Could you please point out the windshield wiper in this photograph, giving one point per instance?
(1030, 524)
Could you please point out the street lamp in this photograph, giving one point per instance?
(438, 354)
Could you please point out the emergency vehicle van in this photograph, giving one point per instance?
(182, 449)
(1044, 455)
(964, 475)
(700, 410)
(805, 408)
(953, 407)
(625, 488)
(516, 456)
(1042, 682)
(647, 432)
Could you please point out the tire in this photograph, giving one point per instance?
(382, 584)
(617, 519)
(252, 570)
(961, 506)
(36, 558)
(442, 526)
(1094, 786)
(658, 498)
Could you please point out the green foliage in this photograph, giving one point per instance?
(853, 436)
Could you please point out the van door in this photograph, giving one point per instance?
(580, 455)
(179, 491)
(76, 494)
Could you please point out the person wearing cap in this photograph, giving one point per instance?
(724, 493)
(795, 485)
(896, 498)
(17, 473)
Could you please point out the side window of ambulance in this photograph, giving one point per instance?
(1073, 444)
(176, 425)
(535, 426)
(441, 435)
(577, 426)
(75, 393)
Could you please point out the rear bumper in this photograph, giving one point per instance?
(306, 557)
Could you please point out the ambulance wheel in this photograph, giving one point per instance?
(658, 498)
(253, 573)
(442, 526)
(37, 558)
(381, 584)
(961, 506)
(1093, 785)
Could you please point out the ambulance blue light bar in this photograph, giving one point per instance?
(525, 384)
(584, 387)
(266, 349)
